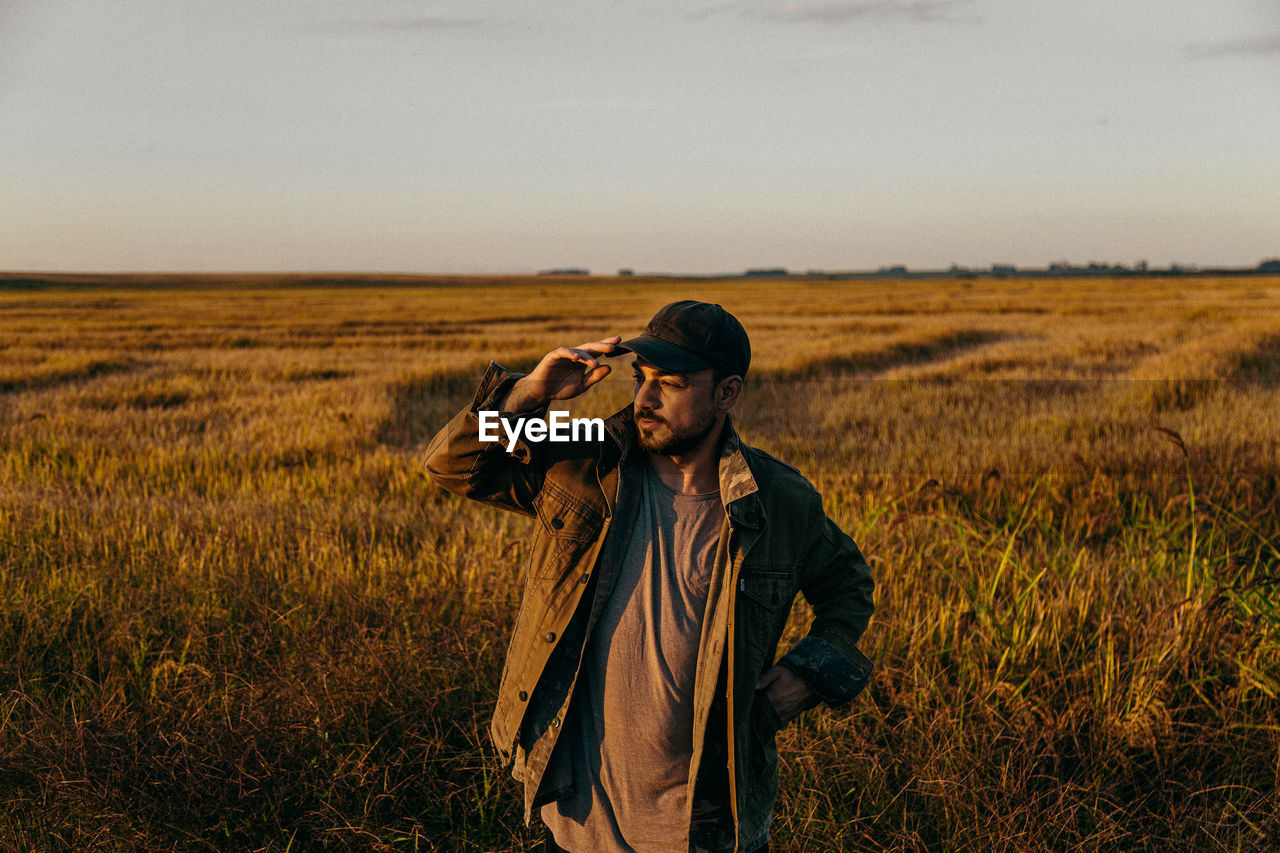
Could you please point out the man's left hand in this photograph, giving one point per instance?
(788, 693)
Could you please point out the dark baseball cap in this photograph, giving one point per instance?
(686, 336)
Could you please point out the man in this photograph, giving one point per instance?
(640, 699)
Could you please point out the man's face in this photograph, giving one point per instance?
(674, 412)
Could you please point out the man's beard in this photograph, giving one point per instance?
(680, 442)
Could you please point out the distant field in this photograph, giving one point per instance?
(236, 615)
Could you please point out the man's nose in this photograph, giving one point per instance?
(647, 396)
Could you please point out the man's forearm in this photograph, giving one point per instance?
(523, 399)
(839, 585)
(458, 461)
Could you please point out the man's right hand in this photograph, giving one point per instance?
(563, 374)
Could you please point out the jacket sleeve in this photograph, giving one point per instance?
(837, 583)
(460, 462)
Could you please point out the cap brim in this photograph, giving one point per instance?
(662, 354)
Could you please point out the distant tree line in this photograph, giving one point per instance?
(1056, 269)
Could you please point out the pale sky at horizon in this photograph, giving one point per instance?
(471, 137)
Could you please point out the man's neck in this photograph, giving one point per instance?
(694, 473)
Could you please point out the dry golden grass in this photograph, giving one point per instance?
(235, 615)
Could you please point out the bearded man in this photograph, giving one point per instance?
(640, 699)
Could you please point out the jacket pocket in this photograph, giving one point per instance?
(563, 515)
(764, 602)
(567, 527)
(770, 589)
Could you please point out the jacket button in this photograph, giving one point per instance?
(550, 636)
(585, 577)
(557, 523)
(524, 697)
(555, 722)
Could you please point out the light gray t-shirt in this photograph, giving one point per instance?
(630, 733)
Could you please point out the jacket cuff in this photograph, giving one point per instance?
(494, 388)
(834, 676)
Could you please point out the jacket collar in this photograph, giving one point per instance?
(738, 489)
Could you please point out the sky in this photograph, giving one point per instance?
(486, 137)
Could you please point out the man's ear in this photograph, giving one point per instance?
(727, 392)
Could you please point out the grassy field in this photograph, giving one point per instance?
(236, 615)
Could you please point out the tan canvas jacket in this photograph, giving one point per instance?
(775, 541)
